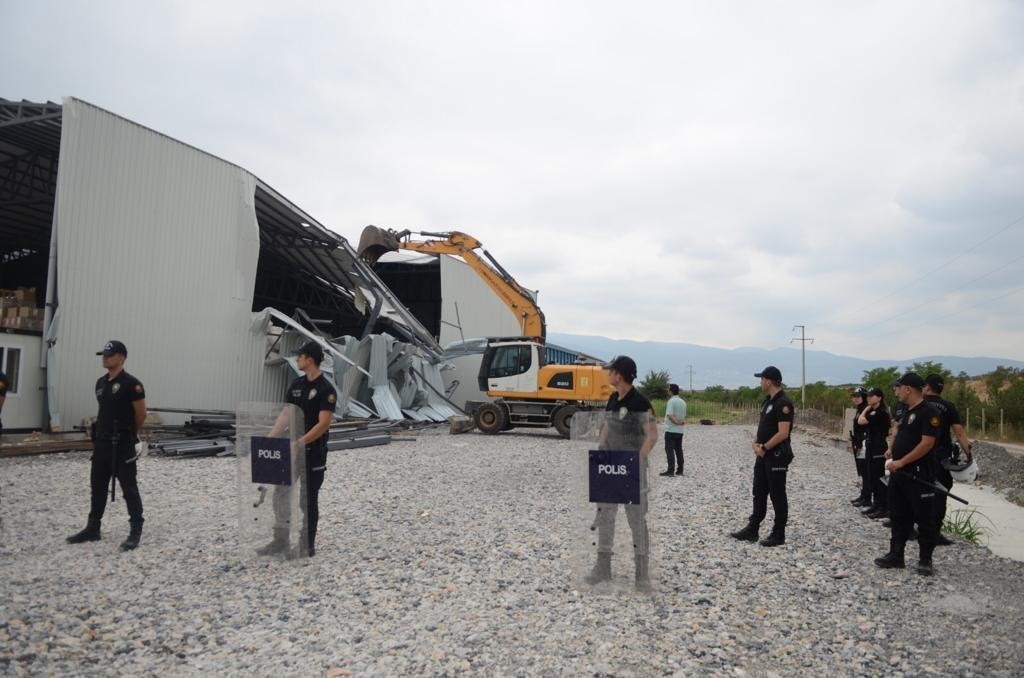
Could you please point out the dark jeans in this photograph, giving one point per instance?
(909, 503)
(103, 469)
(674, 451)
(770, 481)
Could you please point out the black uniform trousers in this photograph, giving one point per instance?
(770, 481)
(125, 469)
(875, 490)
(909, 503)
(314, 481)
(945, 479)
(674, 451)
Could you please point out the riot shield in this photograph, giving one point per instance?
(612, 526)
(271, 481)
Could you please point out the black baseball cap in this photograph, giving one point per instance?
(935, 381)
(312, 349)
(859, 391)
(911, 379)
(113, 347)
(770, 372)
(624, 365)
(875, 391)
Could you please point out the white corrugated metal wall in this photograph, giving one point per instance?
(481, 312)
(157, 246)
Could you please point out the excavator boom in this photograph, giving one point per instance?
(375, 242)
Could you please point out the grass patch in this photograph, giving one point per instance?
(967, 524)
(697, 409)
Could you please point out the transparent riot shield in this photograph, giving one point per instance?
(271, 481)
(612, 542)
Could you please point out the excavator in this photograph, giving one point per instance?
(528, 391)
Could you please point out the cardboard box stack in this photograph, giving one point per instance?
(18, 310)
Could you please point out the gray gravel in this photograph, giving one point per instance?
(447, 555)
(1001, 470)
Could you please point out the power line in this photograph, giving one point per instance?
(803, 362)
(941, 266)
(956, 312)
(901, 314)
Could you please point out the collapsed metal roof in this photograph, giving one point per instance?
(29, 149)
(307, 264)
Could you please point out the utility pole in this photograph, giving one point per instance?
(803, 362)
(690, 367)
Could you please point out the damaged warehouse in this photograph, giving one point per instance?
(209, 275)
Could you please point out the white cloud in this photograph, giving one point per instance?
(711, 173)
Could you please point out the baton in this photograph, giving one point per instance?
(931, 485)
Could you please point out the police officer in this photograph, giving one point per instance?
(773, 452)
(950, 416)
(317, 399)
(630, 425)
(912, 466)
(857, 447)
(122, 412)
(875, 422)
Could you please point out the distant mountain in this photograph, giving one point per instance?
(736, 367)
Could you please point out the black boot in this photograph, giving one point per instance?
(894, 558)
(925, 568)
(748, 533)
(643, 576)
(279, 544)
(134, 535)
(90, 533)
(776, 538)
(602, 569)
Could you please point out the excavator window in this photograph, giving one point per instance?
(509, 361)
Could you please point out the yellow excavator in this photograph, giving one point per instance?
(528, 391)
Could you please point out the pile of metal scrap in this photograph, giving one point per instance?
(210, 435)
(376, 376)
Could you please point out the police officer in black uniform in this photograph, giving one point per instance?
(857, 447)
(313, 394)
(122, 412)
(876, 422)
(629, 425)
(912, 461)
(950, 415)
(774, 453)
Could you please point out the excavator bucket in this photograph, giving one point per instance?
(375, 242)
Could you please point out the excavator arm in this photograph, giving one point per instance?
(375, 242)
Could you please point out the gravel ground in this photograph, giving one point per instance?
(452, 554)
(1001, 470)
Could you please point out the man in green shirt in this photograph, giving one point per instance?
(675, 417)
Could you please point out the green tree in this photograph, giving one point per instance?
(654, 385)
(748, 394)
(963, 396)
(1009, 397)
(881, 377)
(928, 367)
(716, 393)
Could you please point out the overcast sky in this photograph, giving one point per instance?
(711, 172)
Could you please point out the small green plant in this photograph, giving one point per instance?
(967, 525)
